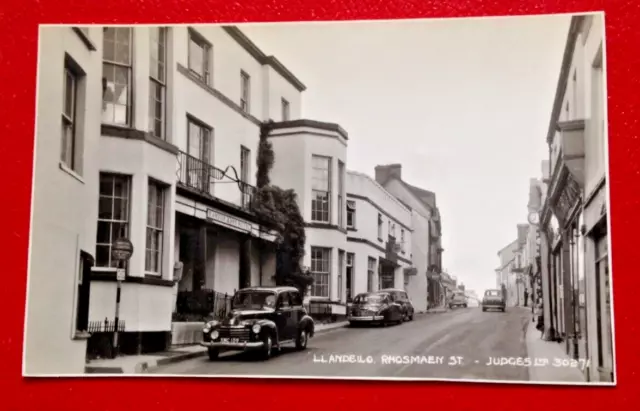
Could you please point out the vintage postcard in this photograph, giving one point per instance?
(394, 200)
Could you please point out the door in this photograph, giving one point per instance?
(199, 153)
(297, 311)
(284, 313)
(396, 306)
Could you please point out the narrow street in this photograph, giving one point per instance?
(430, 340)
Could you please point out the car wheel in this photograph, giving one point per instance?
(411, 317)
(213, 354)
(484, 309)
(267, 348)
(303, 338)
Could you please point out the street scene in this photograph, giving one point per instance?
(432, 215)
(454, 345)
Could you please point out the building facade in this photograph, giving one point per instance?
(65, 203)
(427, 232)
(574, 216)
(379, 242)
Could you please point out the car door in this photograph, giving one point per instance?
(396, 307)
(283, 316)
(406, 303)
(297, 311)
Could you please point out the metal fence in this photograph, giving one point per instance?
(105, 326)
(204, 302)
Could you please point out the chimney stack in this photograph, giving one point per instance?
(384, 173)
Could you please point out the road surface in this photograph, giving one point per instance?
(453, 345)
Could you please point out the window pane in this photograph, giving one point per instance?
(121, 187)
(105, 205)
(196, 57)
(102, 255)
(104, 232)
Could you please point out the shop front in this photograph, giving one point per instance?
(218, 250)
(600, 321)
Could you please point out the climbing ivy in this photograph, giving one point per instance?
(280, 206)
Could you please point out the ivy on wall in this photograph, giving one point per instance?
(280, 206)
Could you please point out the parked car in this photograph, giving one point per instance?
(401, 297)
(261, 319)
(458, 300)
(374, 308)
(493, 300)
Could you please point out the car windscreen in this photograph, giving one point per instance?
(370, 298)
(254, 300)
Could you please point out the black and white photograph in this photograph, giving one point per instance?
(421, 200)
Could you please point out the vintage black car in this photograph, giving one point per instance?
(374, 308)
(493, 300)
(402, 298)
(262, 319)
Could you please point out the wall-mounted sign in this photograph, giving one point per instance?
(228, 221)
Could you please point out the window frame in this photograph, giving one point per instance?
(351, 212)
(158, 230)
(129, 69)
(207, 56)
(125, 224)
(285, 108)
(323, 274)
(316, 209)
(158, 81)
(380, 226)
(371, 273)
(245, 92)
(70, 120)
(341, 203)
(245, 172)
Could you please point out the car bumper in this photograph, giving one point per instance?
(500, 306)
(367, 318)
(249, 345)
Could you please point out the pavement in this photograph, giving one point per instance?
(457, 344)
(139, 364)
(553, 364)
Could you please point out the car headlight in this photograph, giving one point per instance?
(206, 329)
(256, 328)
(214, 335)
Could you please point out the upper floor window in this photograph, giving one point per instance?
(69, 110)
(117, 72)
(286, 115)
(379, 226)
(158, 81)
(199, 152)
(351, 214)
(245, 91)
(245, 163)
(200, 56)
(402, 239)
(321, 189)
(113, 215)
(340, 194)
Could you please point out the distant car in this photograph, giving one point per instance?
(261, 319)
(493, 300)
(402, 298)
(374, 308)
(458, 300)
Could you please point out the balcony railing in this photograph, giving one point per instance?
(198, 175)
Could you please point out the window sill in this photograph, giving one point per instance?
(81, 335)
(69, 171)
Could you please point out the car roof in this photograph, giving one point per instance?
(374, 292)
(387, 290)
(276, 289)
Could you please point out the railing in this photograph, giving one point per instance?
(197, 174)
(204, 303)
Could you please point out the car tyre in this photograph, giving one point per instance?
(303, 339)
(484, 309)
(267, 348)
(213, 354)
(411, 317)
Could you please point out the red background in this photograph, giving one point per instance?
(18, 48)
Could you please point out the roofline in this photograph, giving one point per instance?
(413, 193)
(251, 48)
(507, 246)
(378, 185)
(567, 59)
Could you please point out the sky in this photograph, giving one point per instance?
(463, 104)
